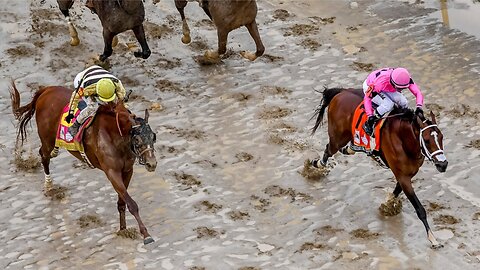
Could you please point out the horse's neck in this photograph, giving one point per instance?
(409, 135)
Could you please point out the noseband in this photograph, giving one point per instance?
(424, 148)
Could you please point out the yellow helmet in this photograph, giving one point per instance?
(106, 90)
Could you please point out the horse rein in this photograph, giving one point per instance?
(441, 157)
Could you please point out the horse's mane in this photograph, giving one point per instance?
(404, 114)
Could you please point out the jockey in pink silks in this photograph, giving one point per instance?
(383, 87)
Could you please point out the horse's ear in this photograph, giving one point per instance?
(146, 115)
(432, 115)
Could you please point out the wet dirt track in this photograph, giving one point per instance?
(232, 140)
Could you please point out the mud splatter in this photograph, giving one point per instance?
(156, 107)
(310, 43)
(276, 139)
(284, 127)
(277, 191)
(167, 86)
(258, 203)
(434, 107)
(281, 14)
(474, 144)
(460, 110)
(129, 82)
(205, 232)
(155, 31)
(206, 163)
(28, 162)
(238, 215)
(312, 173)
(244, 156)
(445, 220)
(205, 23)
(274, 113)
(86, 221)
(198, 44)
(271, 58)
(364, 234)
(301, 30)
(352, 29)
(327, 231)
(168, 64)
(476, 216)
(57, 193)
(275, 90)
(249, 268)
(367, 67)
(433, 206)
(21, 51)
(187, 179)
(129, 233)
(324, 21)
(186, 133)
(208, 207)
(392, 207)
(309, 246)
(240, 97)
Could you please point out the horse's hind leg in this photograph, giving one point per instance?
(107, 39)
(45, 152)
(253, 30)
(330, 150)
(407, 188)
(180, 5)
(140, 35)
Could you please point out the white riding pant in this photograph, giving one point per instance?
(386, 100)
(92, 106)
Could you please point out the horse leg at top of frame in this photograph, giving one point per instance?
(253, 30)
(74, 40)
(421, 213)
(140, 35)
(186, 39)
(107, 39)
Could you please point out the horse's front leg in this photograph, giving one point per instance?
(116, 178)
(107, 39)
(406, 185)
(180, 5)
(140, 35)
(253, 30)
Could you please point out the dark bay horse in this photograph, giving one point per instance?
(227, 15)
(112, 142)
(117, 16)
(406, 140)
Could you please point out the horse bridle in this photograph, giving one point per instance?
(139, 154)
(423, 146)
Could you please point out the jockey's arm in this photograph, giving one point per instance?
(120, 90)
(417, 93)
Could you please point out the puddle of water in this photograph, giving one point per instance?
(458, 14)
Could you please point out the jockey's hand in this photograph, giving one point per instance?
(69, 118)
(419, 111)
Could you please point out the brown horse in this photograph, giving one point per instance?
(112, 142)
(406, 140)
(227, 15)
(117, 16)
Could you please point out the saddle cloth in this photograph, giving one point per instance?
(361, 140)
(64, 139)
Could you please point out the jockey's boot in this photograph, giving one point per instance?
(370, 123)
(73, 129)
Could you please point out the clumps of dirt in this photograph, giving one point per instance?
(86, 221)
(327, 231)
(284, 127)
(41, 22)
(392, 207)
(260, 204)
(433, 206)
(130, 82)
(309, 246)
(155, 31)
(129, 233)
(312, 173)
(434, 107)
(21, 51)
(208, 207)
(364, 234)
(164, 63)
(244, 156)
(352, 29)
(300, 30)
(186, 133)
(274, 112)
(476, 216)
(461, 110)
(28, 162)
(205, 23)
(277, 191)
(198, 45)
(187, 179)
(358, 66)
(445, 220)
(56, 193)
(310, 43)
(474, 144)
(167, 86)
(156, 107)
(272, 58)
(206, 163)
(241, 97)
(276, 139)
(324, 21)
(134, 96)
(281, 14)
(205, 232)
(275, 90)
(238, 215)
(249, 268)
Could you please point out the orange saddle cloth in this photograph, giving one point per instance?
(361, 140)
(64, 139)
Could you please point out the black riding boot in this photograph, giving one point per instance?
(73, 129)
(368, 126)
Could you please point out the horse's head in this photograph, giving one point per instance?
(64, 6)
(143, 139)
(431, 142)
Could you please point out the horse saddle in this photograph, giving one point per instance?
(64, 139)
(361, 140)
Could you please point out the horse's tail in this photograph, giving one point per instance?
(327, 95)
(23, 113)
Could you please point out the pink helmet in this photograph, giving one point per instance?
(400, 78)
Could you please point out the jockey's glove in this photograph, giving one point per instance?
(419, 110)
(69, 118)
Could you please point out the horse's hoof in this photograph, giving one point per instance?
(248, 55)
(314, 163)
(74, 41)
(102, 58)
(141, 54)
(186, 39)
(148, 240)
(437, 246)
